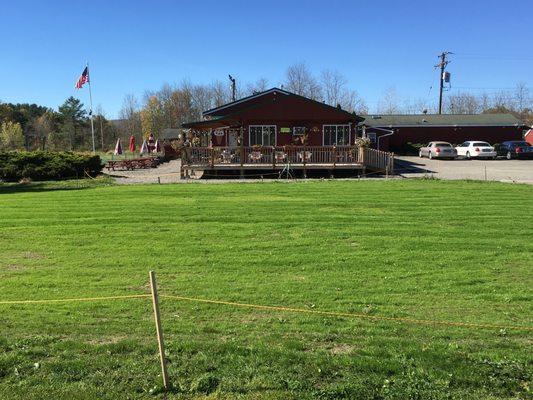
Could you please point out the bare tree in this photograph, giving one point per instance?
(258, 86)
(336, 93)
(220, 93)
(463, 103)
(130, 114)
(418, 106)
(389, 103)
(333, 86)
(299, 80)
(521, 97)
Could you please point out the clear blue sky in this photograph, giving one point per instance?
(133, 45)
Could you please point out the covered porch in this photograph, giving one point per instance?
(218, 145)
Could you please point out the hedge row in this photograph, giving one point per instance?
(46, 166)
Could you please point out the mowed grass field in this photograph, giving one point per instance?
(453, 251)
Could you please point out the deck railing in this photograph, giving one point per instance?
(378, 160)
(314, 156)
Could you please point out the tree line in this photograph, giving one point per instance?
(32, 127)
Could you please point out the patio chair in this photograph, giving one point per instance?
(227, 157)
(280, 156)
(304, 156)
(255, 156)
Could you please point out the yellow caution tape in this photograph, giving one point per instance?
(353, 315)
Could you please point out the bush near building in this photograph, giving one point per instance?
(45, 166)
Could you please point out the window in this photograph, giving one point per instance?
(262, 135)
(372, 137)
(298, 130)
(336, 135)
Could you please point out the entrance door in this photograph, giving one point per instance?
(233, 136)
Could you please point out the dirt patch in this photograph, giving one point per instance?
(15, 267)
(342, 349)
(106, 340)
(31, 255)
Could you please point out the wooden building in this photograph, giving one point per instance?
(453, 128)
(275, 130)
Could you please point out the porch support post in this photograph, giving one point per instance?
(305, 161)
(241, 134)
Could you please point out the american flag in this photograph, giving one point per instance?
(83, 79)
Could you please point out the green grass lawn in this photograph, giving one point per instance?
(456, 251)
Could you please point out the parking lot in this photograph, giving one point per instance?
(519, 171)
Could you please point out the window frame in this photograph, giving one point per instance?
(374, 135)
(336, 134)
(262, 134)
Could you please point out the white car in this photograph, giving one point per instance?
(475, 149)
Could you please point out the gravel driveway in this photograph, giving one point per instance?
(168, 172)
(520, 171)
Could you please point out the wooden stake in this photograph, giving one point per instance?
(159, 329)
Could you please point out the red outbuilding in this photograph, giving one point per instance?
(528, 137)
(453, 128)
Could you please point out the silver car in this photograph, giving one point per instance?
(438, 150)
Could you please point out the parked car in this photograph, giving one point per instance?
(515, 149)
(475, 149)
(437, 150)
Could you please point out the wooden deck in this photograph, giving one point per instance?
(305, 158)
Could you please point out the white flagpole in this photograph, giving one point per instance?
(91, 109)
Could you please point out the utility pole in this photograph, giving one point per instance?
(442, 64)
(233, 88)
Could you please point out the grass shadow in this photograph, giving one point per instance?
(46, 186)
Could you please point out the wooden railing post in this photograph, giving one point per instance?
(305, 161)
(241, 133)
(212, 158)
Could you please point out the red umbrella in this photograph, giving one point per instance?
(132, 144)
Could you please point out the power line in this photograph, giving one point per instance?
(502, 57)
(487, 88)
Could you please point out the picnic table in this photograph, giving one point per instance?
(131, 164)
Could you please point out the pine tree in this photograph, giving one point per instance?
(73, 119)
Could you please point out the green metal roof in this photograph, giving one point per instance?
(171, 133)
(378, 120)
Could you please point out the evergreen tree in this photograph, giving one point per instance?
(73, 119)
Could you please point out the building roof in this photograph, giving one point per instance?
(232, 113)
(273, 90)
(441, 120)
(244, 99)
(171, 133)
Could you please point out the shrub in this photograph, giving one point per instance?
(44, 165)
(407, 149)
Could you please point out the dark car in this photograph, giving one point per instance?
(515, 149)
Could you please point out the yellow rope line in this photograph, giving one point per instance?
(279, 308)
(131, 296)
(352, 315)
